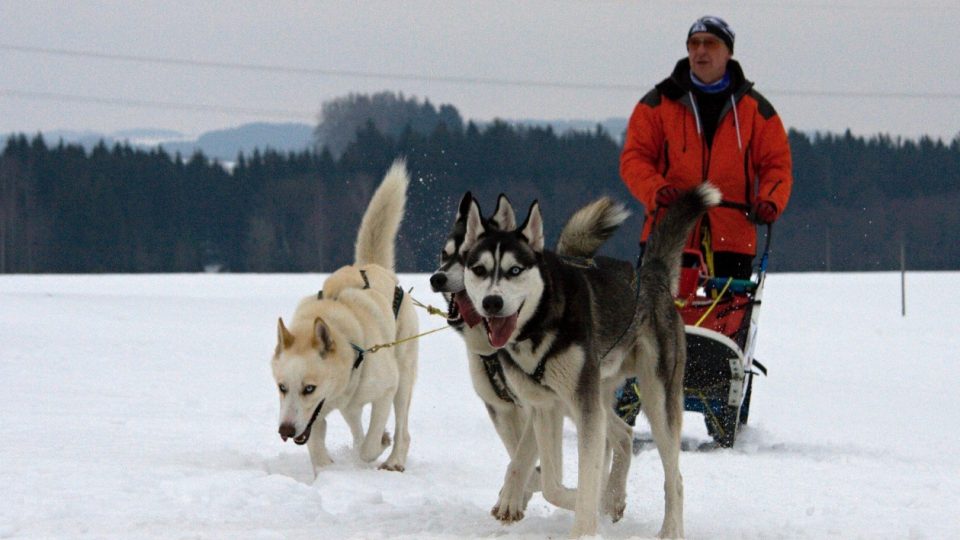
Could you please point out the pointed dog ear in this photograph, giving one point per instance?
(464, 207)
(503, 216)
(474, 225)
(532, 228)
(284, 337)
(322, 338)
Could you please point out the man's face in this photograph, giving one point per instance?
(708, 56)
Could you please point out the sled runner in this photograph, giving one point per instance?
(720, 316)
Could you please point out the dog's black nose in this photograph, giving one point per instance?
(287, 431)
(437, 281)
(492, 304)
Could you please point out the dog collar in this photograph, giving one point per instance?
(360, 355)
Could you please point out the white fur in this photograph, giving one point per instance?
(317, 349)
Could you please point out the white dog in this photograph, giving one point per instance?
(323, 360)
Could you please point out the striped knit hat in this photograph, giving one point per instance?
(715, 26)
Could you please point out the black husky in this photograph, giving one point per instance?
(567, 333)
(583, 234)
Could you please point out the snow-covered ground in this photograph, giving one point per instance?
(143, 407)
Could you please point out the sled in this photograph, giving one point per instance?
(720, 316)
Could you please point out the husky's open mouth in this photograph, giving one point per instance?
(453, 313)
(465, 309)
(499, 329)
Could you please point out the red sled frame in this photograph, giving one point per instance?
(720, 315)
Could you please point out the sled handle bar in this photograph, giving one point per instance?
(748, 209)
(766, 250)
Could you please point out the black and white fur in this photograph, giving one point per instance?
(583, 234)
(567, 334)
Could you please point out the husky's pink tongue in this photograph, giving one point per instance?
(499, 329)
(467, 311)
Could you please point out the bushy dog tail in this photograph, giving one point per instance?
(376, 239)
(590, 227)
(669, 236)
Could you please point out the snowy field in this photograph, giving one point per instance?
(143, 407)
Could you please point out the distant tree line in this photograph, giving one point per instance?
(119, 209)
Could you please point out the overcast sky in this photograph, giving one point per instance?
(192, 66)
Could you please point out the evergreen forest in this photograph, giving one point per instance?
(64, 209)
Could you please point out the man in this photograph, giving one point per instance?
(706, 122)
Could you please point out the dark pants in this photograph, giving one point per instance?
(729, 264)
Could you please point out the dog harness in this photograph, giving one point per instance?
(397, 294)
(494, 369)
(397, 300)
(541, 368)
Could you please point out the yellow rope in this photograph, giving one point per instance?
(699, 392)
(430, 309)
(706, 242)
(715, 301)
(633, 406)
(713, 418)
(376, 348)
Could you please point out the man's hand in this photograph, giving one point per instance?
(667, 195)
(764, 212)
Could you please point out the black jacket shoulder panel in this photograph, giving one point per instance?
(652, 98)
(764, 107)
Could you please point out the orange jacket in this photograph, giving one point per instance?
(748, 161)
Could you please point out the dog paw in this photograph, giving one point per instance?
(506, 516)
(614, 506)
(395, 467)
(615, 511)
(319, 463)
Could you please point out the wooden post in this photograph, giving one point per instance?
(828, 248)
(903, 278)
(3, 245)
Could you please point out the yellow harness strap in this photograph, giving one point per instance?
(706, 244)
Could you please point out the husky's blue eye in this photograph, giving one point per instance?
(515, 271)
(308, 389)
(479, 270)
(283, 388)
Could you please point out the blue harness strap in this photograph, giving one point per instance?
(360, 355)
(397, 300)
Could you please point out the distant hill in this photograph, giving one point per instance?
(615, 127)
(89, 139)
(225, 144)
(222, 144)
